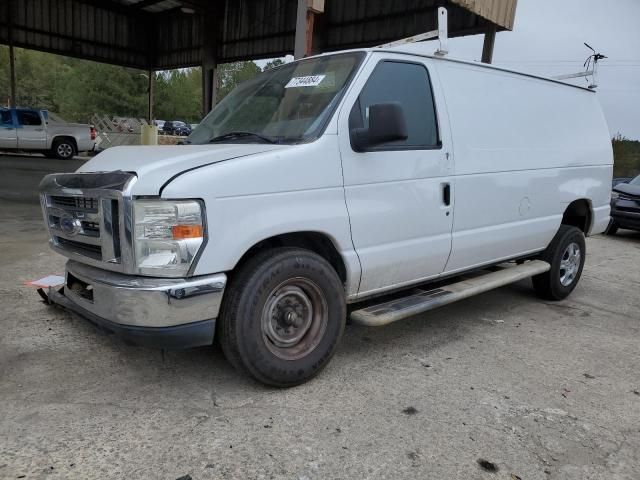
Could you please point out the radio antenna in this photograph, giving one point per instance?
(590, 69)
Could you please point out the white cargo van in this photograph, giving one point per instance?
(328, 181)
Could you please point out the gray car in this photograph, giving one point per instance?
(625, 206)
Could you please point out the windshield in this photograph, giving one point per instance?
(288, 104)
(635, 181)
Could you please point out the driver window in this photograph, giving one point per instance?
(408, 84)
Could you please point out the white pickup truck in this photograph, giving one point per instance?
(30, 130)
(352, 176)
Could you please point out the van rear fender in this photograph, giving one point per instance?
(579, 213)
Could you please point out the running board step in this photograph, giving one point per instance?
(401, 308)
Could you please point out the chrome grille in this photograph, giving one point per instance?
(86, 249)
(88, 217)
(91, 228)
(74, 223)
(85, 204)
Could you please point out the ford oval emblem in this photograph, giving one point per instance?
(70, 225)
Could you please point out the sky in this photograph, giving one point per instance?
(548, 39)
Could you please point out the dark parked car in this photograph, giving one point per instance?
(619, 180)
(625, 206)
(176, 127)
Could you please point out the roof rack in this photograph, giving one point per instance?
(441, 34)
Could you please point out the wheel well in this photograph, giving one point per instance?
(314, 241)
(578, 214)
(65, 137)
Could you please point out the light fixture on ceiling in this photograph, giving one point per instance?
(188, 10)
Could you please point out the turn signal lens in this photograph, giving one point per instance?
(186, 231)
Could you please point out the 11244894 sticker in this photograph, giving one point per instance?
(308, 81)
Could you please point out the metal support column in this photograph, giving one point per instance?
(305, 20)
(489, 43)
(209, 62)
(12, 61)
(12, 69)
(150, 94)
(301, 30)
(209, 86)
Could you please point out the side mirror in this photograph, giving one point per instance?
(387, 123)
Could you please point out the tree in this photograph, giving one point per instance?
(276, 62)
(77, 89)
(231, 74)
(626, 154)
(178, 95)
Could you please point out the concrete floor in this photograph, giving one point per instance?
(541, 390)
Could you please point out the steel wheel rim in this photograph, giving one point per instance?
(64, 150)
(570, 264)
(294, 318)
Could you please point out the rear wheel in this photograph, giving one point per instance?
(283, 316)
(566, 255)
(64, 149)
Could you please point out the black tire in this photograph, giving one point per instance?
(612, 228)
(255, 316)
(566, 269)
(64, 149)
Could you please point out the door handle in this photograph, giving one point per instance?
(446, 194)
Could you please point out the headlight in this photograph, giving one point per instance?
(168, 235)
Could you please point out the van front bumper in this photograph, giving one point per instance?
(155, 312)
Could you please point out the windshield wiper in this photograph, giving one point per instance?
(234, 135)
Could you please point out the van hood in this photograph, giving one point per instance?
(156, 165)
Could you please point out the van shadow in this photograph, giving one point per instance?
(361, 347)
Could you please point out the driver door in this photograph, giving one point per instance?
(399, 194)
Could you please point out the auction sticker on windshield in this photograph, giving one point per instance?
(308, 81)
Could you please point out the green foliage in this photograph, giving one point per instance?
(99, 88)
(276, 62)
(626, 154)
(231, 74)
(178, 95)
(76, 89)
(39, 75)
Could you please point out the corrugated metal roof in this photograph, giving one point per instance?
(161, 34)
(500, 12)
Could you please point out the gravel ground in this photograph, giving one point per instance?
(534, 390)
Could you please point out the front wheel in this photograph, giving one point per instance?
(566, 254)
(612, 228)
(283, 316)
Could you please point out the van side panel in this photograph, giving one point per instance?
(524, 148)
